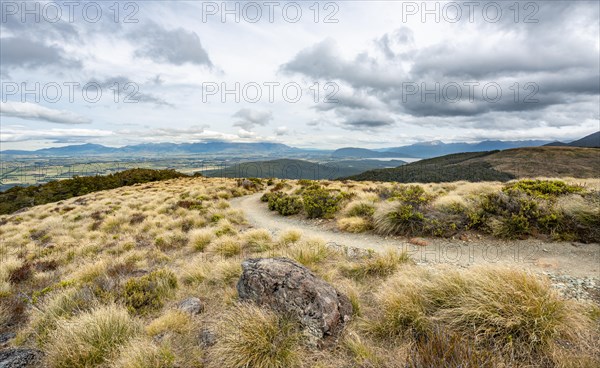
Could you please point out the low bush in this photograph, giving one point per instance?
(398, 218)
(289, 205)
(147, 293)
(321, 203)
(413, 195)
(284, 204)
(360, 209)
(543, 188)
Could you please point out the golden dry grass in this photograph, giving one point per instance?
(82, 259)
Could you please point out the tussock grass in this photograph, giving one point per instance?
(5, 316)
(143, 353)
(363, 353)
(227, 246)
(289, 237)
(253, 337)
(310, 252)
(353, 224)
(91, 338)
(172, 321)
(360, 208)
(7, 267)
(199, 239)
(257, 240)
(62, 262)
(378, 265)
(59, 306)
(513, 313)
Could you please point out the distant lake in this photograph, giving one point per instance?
(405, 159)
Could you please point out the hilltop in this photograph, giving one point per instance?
(147, 275)
(592, 140)
(495, 165)
(300, 169)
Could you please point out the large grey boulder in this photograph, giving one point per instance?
(20, 358)
(292, 289)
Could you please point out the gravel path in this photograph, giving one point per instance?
(557, 258)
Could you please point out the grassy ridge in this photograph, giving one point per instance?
(494, 166)
(96, 282)
(17, 198)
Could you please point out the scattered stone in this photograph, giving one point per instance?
(351, 252)
(191, 305)
(290, 288)
(5, 337)
(418, 241)
(207, 338)
(586, 288)
(20, 358)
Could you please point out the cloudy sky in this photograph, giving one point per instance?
(324, 75)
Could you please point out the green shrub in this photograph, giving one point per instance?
(361, 209)
(147, 293)
(515, 226)
(288, 205)
(414, 195)
(321, 203)
(543, 188)
(401, 219)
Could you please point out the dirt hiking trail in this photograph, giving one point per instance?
(558, 258)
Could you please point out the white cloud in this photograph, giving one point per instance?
(31, 111)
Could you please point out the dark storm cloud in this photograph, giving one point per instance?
(176, 46)
(322, 61)
(357, 119)
(23, 52)
(558, 63)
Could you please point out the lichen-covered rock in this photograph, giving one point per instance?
(191, 305)
(290, 288)
(20, 358)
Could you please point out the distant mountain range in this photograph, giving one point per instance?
(592, 140)
(278, 150)
(161, 149)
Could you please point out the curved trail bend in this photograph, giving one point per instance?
(575, 259)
